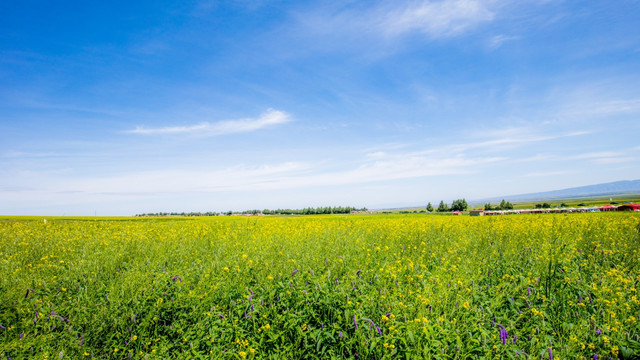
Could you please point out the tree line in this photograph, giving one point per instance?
(305, 211)
(456, 205)
(462, 205)
(504, 205)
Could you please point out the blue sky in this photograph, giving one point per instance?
(118, 108)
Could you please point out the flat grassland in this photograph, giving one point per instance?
(366, 286)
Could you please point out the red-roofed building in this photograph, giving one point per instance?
(607, 208)
(629, 207)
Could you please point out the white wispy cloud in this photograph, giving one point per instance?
(434, 18)
(602, 108)
(270, 117)
(497, 41)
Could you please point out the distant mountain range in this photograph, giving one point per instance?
(605, 189)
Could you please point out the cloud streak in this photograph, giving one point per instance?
(434, 18)
(269, 118)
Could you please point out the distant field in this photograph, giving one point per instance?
(588, 201)
(342, 286)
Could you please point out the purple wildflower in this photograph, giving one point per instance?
(355, 323)
(595, 356)
(358, 272)
(221, 316)
(550, 354)
(21, 336)
(515, 337)
(529, 291)
(598, 331)
(294, 272)
(579, 299)
(2, 327)
(374, 325)
(176, 277)
(504, 335)
(340, 333)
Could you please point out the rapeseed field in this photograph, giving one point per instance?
(356, 287)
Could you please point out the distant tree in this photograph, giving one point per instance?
(563, 205)
(546, 205)
(429, 207)
(459, 205)
(488, 206)
(504, 205)
(443, 207)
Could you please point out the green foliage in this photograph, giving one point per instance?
(459, 205)
(545, 205)
(429, 207)
(442, 207)
(504, 205)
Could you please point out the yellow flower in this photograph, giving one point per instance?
(242, 354)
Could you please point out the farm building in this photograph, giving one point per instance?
(607, 208)
(476, 212)
(629, 207)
